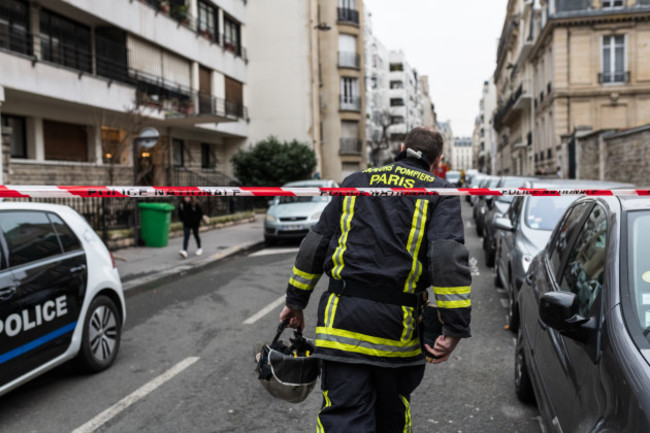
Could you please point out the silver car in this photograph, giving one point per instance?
(292, 217)
(526, 229)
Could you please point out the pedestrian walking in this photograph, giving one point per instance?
(191, 215)
(381, 254)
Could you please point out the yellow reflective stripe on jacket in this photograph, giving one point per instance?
(303, 280)
(453, 297)
(408, 323)
(346, 219)
(328, 403)
(330, 310)
(348, 341)
(415, 242)
(407, 415)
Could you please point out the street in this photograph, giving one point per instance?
(186, 362)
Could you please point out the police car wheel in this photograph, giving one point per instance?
(101, 336)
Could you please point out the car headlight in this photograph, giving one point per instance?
(270, 218)
(525, 262)
(316, 216)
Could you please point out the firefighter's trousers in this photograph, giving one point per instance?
(366, 399)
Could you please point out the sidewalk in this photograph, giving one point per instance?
(142, 265)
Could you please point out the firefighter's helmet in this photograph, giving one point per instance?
(286, 371)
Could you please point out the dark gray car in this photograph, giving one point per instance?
(583, 347)
(526, 229)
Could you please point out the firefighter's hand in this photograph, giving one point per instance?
(297, 318)
(442, 348)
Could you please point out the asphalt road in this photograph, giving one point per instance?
(186, 363)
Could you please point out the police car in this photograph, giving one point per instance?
(60, 293)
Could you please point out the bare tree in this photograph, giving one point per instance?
(379, 149)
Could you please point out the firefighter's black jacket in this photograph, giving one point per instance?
(404, 244)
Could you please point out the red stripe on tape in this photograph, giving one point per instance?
(267, 191)
(6, 192)
(480, 191)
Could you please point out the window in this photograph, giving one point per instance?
(638, 266)
(350, 94)
(178, 152)
(566, 230)
(65, 141)
(207, 156)
(114, 144)
(348, 57)
(397, 102)
(585, 269)
(396, 67)
(396, 120)
(610, 4)
(18, 139)
(543, 213)
(397, 84)
(69, 241)
(14, 26)
(614, 62)
(65, 42)
(30, 237)
(208, 22)
(231, 35)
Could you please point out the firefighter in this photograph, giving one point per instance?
(380, 254)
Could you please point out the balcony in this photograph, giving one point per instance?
(347, 16)
(350, 103)
(519, 100)
(350, 146)
(349, 60)
(620, 77)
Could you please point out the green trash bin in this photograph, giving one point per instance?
(154, 223)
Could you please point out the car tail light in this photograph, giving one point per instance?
(112, 260)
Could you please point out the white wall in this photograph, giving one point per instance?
(279, 71)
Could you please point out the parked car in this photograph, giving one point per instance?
(583, 347)
(60, 293)
(454, 177)
(469, 176)
(475, 182)
(526, 229)
(497, 208)
(480, 206)
(292, 217)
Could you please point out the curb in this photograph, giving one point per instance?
(160, 275)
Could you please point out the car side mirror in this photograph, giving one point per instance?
(560, 311)
(503, 224)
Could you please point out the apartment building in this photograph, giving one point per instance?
(448, 140)
(462, 154)
(405, 109)
(81, 78)
(483, 138)
(307, 74)
(565, 65)
(429, 116)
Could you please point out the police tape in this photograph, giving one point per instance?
(46, 191)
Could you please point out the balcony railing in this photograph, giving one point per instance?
(621, 77)
(350, 146)
(347, 15)
(349, 60)
(503, 111)
(350, 103)
(16, 40)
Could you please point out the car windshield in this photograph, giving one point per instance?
(317, 199)
(639, 266)
(509, 183)
(543, 213)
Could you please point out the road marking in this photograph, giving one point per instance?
(272, 251)
(264, 311)
(473, 267)
(136, 395)
(504, 302)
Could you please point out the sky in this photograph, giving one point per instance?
(453, 42)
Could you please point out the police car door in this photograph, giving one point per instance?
(49, 270)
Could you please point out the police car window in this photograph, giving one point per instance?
(69, 241)
(29, 236)
(569, 225)
(585, 270)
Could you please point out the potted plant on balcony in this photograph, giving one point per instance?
(180, 13)
(207, 34)
(164, 6)
(187, 106)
